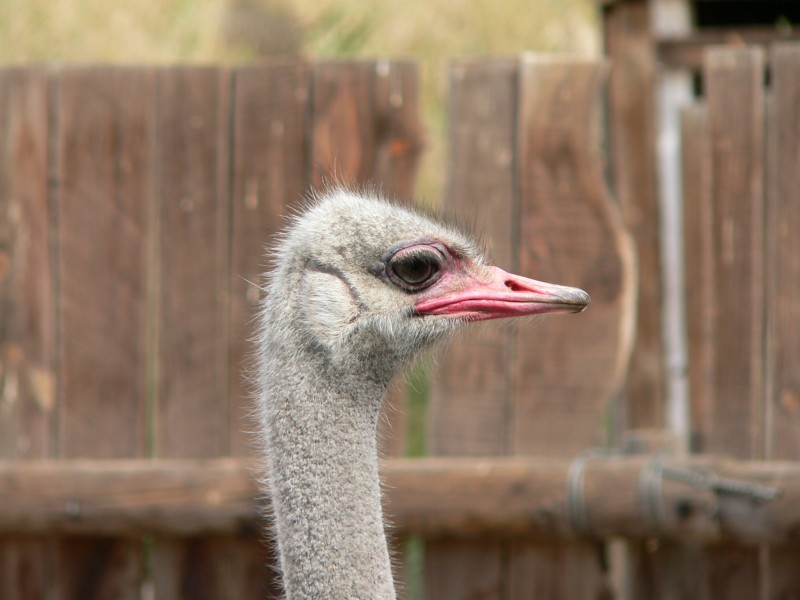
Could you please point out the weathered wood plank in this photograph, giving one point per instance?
(782, 302)
(468, 410)
(269, 155)
(104, 141)
(568, 370)
(365, 126)
(470, 393)
(26, 273)
(698, 265)
(664, 570)
(191, 416)
(106, 127)
(735, 96)
(735, 423)
(269, 137)
(27, 308)
(451, 497)
(783, 259)
(633, 131)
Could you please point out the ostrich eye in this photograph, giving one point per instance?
(415, 268)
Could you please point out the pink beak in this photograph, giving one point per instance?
(503, 295)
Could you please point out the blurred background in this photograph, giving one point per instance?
(431, 32)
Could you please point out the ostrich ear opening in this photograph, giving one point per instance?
(328, 307)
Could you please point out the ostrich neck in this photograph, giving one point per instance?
(323, 475)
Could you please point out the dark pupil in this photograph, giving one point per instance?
(414, 269)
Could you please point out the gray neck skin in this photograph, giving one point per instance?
(319, 428)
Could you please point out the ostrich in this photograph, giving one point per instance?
(360, 286)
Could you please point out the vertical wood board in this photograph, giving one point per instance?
(191, 415)
(106, 119)
(27, 309)
(783, 283)
(365, 126)
(106, 124)
(735, 96)
(735, 417)
(699, 264)
(783, 259)
(469, 404)
(632, 131)
(269, 155)
(570, 366)
(470, 394)
(27, 327)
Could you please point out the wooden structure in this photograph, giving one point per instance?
(717, 103)
(136, 207)
(135, 204)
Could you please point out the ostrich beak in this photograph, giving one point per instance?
(498, 295)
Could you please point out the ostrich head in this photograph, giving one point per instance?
(369, 283)
(360, 286)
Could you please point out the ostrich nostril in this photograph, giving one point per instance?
(513, 286)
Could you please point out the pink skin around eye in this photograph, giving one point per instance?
(495, 294)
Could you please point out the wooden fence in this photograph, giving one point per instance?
(742, 205)
(135, 206)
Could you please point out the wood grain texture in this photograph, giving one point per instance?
(27, 309)
(106, 124)
(568, 369)
(269, 139)
(191, 417)
(782, 302)
(470, 395)
(735, 423)
(632, 132)
(735, 95)
(27, 330)
(365, 126)
(698, 232)
(469, 404)
(783, 258)
(268, 178)
(105, 136)
(454, 498)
